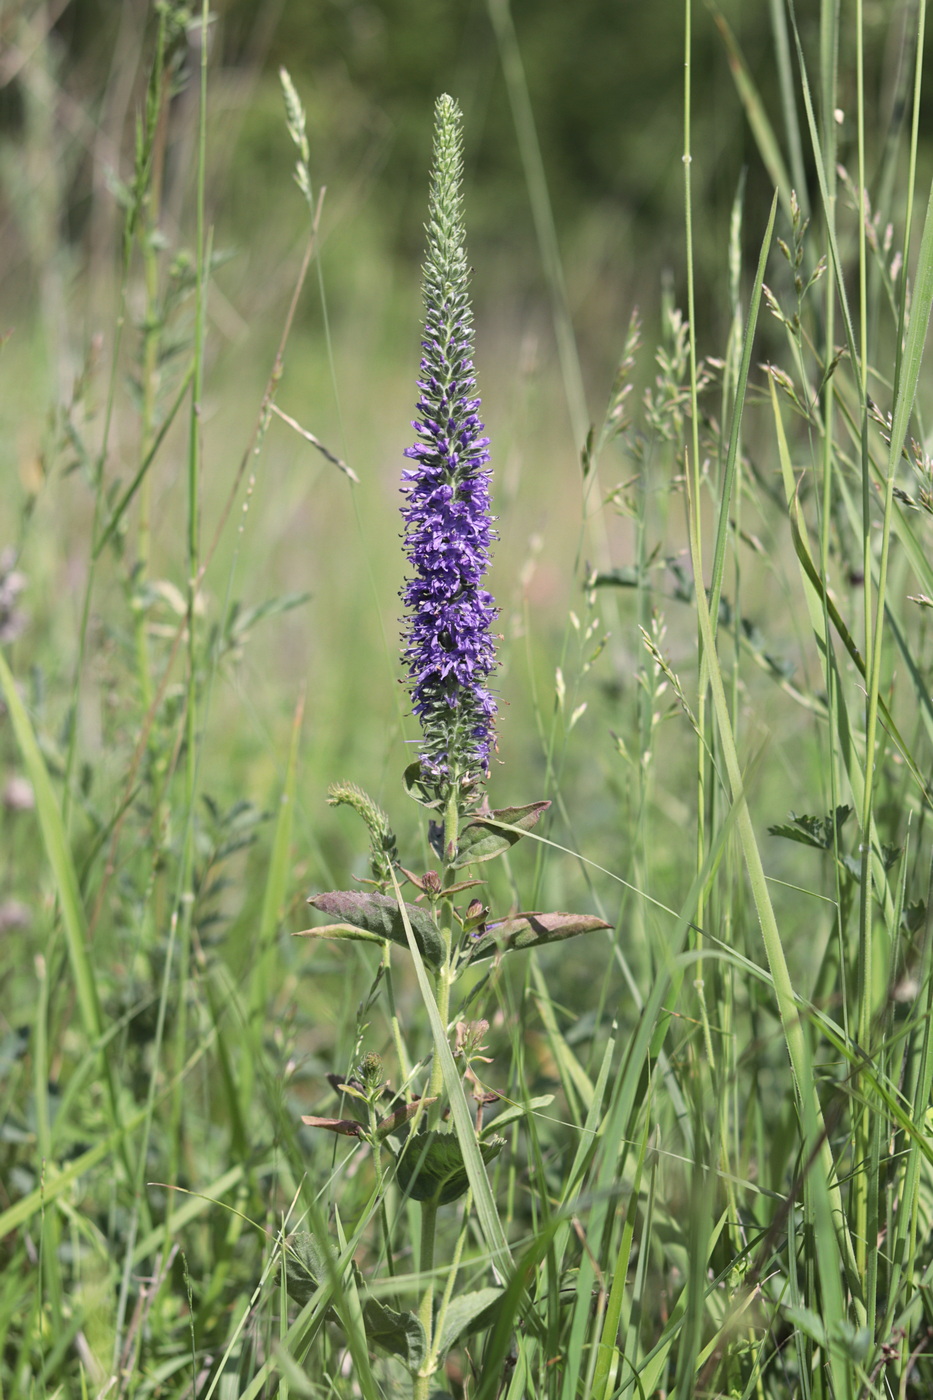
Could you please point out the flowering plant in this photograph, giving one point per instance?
(423, 1140)
(449, 644)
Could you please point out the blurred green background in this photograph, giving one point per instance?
(604, 82)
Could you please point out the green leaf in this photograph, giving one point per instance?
(399, 1333)
(854, 866)
(469, 1313)
(806, 1321)
(484, 838)
(794, 833)
(348, 931)
(416, 788)
(306, 1267)
(913, 918)
(818, 832)
(853, 1342)
(243, 620)
(533, 931)
(378, 915)
(432, 1167)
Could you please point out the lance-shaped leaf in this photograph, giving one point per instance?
(377, 916)
(353, 935)
(483, 839)
(532, 931)
(397, 1119)
(432, 1167)
(346, 1127)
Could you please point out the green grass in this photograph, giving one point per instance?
(718, 1180)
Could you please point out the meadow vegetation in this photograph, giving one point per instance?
(717, 1170)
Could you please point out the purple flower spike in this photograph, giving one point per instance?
(448, 643)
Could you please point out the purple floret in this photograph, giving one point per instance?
(449, 646)
(448, 642)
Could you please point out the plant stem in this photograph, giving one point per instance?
(426, 1309)
(157, 115)
(376, 1148)
(401, 1052)
(445, 976)
(451, 1279)
(442, 993)
(185, 889)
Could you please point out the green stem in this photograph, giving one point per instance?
(442, 985)
(446, 1296)
(442, 995)
(376, 1146)
(400, 1050)
(150, 360)
(422, 1384)
(445, 976)
(185, 890)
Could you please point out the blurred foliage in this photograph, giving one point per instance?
(605, 85)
